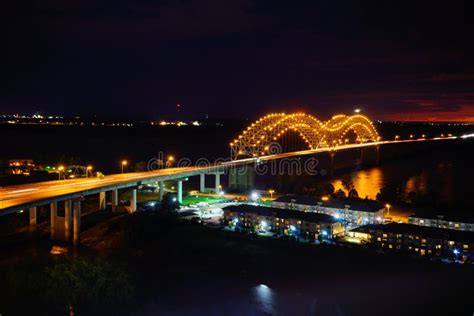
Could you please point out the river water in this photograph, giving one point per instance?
(447, 174)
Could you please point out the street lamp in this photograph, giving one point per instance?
(124, 163)
(271, 191)
(88, 169)
(60, 169)
(254, 196)
(169, 162)
(388, 208)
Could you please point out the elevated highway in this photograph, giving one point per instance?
(18, 197)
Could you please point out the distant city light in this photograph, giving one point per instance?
(292, 228)
(357, 110)
(324, 233)
(174, 199)
(456, 252)
(263, 225)
(254, 196)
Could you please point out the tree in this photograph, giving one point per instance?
(329, 189)
(353, 194)
(140, 166)
(86, 282)
(347, 183)
(389, 193)
(340, 194)
(90, 285)
(169, 202)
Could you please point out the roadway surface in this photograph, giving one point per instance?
(14, 197)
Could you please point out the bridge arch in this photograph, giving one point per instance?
(256, 139)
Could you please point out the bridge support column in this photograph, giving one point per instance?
(102, 201)
(217, 183)
(242, 179)
(54, 214)
(202, 182)
(76, 221)
(377, 154)
(133, 201)
(114, 200)
(162, 190)
(67, 219)
(180, 191)
(332, 154)
(33, 224)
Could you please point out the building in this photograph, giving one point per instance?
(21, 166)
(457, 222)
(420, 240)
(283, 221)
(352, 211)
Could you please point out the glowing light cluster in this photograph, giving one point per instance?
(257, 138)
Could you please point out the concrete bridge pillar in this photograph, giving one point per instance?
(162, 190)
(377, 154)
(76, 221)
(180, 191)
(242, 179)
(54, 214)
(202, 182)
(217, 183)
(33, 223)
(133, 201)
(332, 154)
(114, 200)
(67, 219)
(102, 201)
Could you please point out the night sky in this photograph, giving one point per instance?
(238, 58)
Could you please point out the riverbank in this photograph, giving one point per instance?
(217, 272)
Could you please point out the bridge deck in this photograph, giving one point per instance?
(14, 198)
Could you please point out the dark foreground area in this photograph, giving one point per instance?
(149, 264)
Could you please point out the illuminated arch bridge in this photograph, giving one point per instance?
(260, 136)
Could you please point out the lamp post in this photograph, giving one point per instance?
(271, 191)
(169, 162)
(388, 209)
(88, 169)
(60, 169)
(124, 163)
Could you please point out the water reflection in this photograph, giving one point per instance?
(366, 182)
(265, 298)
(445, 179)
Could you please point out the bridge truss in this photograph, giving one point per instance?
(258, 138)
